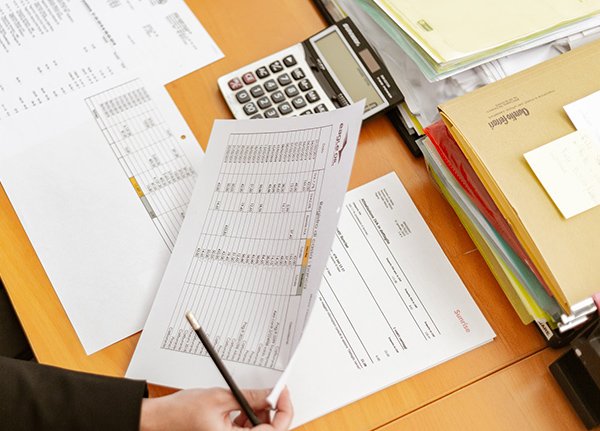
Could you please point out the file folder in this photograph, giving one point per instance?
(495, 125)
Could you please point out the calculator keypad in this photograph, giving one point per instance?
(279, 85)
(257, 91)
(278, 97)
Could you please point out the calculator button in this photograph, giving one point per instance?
(271, 85)
(312, 96)
(321, 108)
(276, 66)
(284, 79)
(299, 102)
(285, 108)
(262, 72)
(298, 74)
(257, 91)
(256, 116)
(308, 111)
(235, 84)
(291, 91)
(249, 77)
(305, 85)
(277, 97)
(242, 96)
(250, 108)
(271, 113)
(289, 60)
(263, 102)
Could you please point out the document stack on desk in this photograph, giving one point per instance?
(448, 37)
(491, 233)
(434, 59)
(509, 143)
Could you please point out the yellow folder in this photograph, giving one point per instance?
(495, 125)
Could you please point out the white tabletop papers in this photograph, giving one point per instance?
(94, 155)
(77, 45)
(390, 304)
(251, 251)
(102, 204)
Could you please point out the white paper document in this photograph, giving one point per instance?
(102, 203)
(161, 37)
(54, 48)
(585, 115)
(390, 305)
(251, 252)
(94, 155)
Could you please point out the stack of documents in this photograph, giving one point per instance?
(491, 233)
(463, 51)
(518, 161)
(451, 36)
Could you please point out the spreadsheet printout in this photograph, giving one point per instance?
(250, 255)
(154, 160)
(55, 48)
(102, 204)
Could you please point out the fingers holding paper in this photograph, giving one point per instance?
(210, 410)
(257, 399)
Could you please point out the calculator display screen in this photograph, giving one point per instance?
(348, 70)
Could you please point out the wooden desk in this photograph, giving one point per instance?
(506, 381)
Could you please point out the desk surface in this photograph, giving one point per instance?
(502, 385)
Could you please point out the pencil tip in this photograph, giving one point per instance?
(192, 320)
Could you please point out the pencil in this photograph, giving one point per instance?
(239, 396)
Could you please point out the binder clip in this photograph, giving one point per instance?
(578, 374)
(583, 315)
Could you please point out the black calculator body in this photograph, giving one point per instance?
(334, 68)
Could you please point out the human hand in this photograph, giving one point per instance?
(209, 410)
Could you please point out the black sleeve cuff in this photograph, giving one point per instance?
(36, 396)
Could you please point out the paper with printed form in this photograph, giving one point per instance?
(390, 305)
(251, 251)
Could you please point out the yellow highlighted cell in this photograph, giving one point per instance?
(136, 186)
(306, 251)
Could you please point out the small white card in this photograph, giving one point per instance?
(584, 114)
(569, 170)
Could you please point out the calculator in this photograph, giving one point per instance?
(334, 68)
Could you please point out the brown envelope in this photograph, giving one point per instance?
(496, 125)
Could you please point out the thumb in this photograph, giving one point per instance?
(257, 398)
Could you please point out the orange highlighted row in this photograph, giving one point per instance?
(306, 252)
(136, 186)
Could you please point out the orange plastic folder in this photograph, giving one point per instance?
(495, 125)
